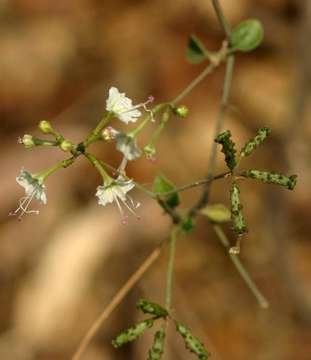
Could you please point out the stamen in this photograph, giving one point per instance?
(24, 203)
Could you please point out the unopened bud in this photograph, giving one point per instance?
(109, 133)
(66, 145)
(45, 127)
(181, 111)
(150, 151)
(27, 141)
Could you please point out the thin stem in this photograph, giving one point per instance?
(98, 165)
(95, 134)
(115, 301)
(262, 301)
(221, 18)
(170, 268)
(62, 164)
(218, 126)
(209, 68)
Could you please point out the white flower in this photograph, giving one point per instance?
(123, 108)
(128, 146)
(116, 191)
(34, 189)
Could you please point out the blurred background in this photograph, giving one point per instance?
(58, 270)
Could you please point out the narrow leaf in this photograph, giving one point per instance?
(238, 222)
(272, 178)
(132, 333)
(192, 343)
(156, 352)
(228, 148)
(253, 143)
(151, 308)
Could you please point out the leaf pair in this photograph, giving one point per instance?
(247, 36)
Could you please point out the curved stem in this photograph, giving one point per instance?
(115, 301)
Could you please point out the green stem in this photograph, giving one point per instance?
(41, 142)
(170, 268)
(209, 68)
(63, 164)
(262, 301)
(218, 126)
(134, 133)
(95, 134)
(99, 167)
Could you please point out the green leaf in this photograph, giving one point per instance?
(238, 226)
(162, 185)
(272, 178)
(253, 143)
(155, 353)
(187, 225)
(132, 333)
(228, 148)
(247, 36)
(217, 213)
(196, 51)
(192, 343)
(148, 307)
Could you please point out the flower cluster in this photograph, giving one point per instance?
(113, 190)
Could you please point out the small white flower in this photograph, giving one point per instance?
(116, 191)
(128, 146)
(122, 106)
(34, 189)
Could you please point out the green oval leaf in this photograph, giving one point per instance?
(161, 185)
(196, 51)
(247, 36)
(217, 213)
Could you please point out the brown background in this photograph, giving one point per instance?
(59, 269)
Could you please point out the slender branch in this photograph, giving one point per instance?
(170, 268)
(262, 301)
(218, 126)
(221, 18)
(194, 83)
(116, 300)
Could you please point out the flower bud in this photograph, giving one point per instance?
(150, 151)
(181, 111)
(109, 133)
(45, 127)
(66, 145)
(27, 141)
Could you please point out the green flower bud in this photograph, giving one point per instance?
(66, 145)
(27, 141)
(247, 36)
(45, 127)
(181, 111)
(192, 343)
(272, 178)
(238, 222)
(132, 333)
(253, 143)
(227, 148)
(150, 151)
